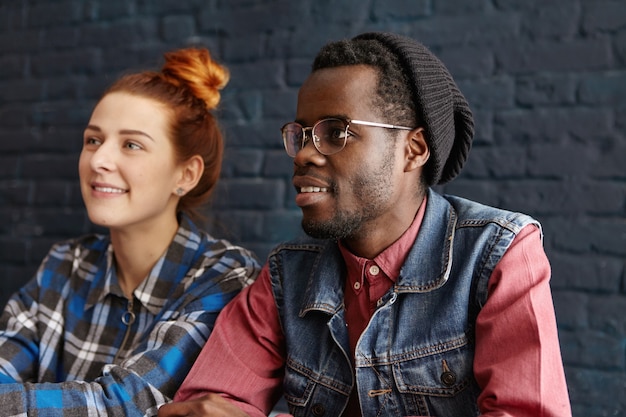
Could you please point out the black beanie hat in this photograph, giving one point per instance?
(441, 109)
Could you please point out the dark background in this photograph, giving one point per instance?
(546, 80)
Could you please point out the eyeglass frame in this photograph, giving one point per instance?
(346, 121)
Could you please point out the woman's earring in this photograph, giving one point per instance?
(180, 192)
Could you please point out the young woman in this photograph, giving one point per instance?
(111, 324)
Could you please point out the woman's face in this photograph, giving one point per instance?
(127, 166)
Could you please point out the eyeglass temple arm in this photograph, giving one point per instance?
(388, 126)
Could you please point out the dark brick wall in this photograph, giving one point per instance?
(547, 81)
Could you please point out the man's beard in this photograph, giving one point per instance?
(339, 227)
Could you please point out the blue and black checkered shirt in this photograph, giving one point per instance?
(71, 344)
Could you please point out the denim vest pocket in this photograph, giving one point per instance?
(309, 393)
(445, 372)
(441, 381)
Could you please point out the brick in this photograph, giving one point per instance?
(277, 104)
(480, 29)
(483, 127)
(265, 133)
(12, 251)
(489, 93)
(527, 6)
(59, 115)
(60, 37)
(482, 191)
(619, 46)
(602, 236)
(56, 13)
(16, 193)
(56, 222)
(592, 349)
(51, 193)
(585, 273)
(398, 9)
(278, 164)
(119, 33)
(461, 7)
(237, 225)
(177, 27)
(249, 194)
(601, 16)
(607, 401)
(558, 161)
(258, 17)
(465, 61)
(165, 7)
(545, 89)
(605, 314)
(240, 106)
(297, 71)
(40, 166)
(59, 139)
(571, 310)
(11, 66)
(13, 116)
(551, 125)
(496, 162)
(243, 49)
(19, 42)
(559, 20)
(539, 196)
(607, 89)
(11, 17)
(559, 56)
(109, 10)
(280, 226)
(81, 61)
(27, 90)
(264, 74)
(125, 58)
(9, 166)
(15, 277)
(242, 162)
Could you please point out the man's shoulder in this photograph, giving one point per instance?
(474, 213)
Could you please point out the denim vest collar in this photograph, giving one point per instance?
(436, 236)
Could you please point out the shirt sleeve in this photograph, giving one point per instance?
(135, 387)
(243, 359)
(518, 362)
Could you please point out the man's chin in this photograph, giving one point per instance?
(326, 230)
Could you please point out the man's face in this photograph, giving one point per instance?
(354, 193)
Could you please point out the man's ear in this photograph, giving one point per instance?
(190, 173)
(417, 151)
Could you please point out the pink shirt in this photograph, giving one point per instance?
(517, 360)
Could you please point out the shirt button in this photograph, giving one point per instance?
(374, 270)
(357, 285)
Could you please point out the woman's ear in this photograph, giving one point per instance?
(191, 171)
(417, 151)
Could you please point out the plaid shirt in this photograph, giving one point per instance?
(71, 344)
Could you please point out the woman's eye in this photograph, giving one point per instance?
(92, 141)
(133, 146)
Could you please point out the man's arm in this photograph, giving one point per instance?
(518, 360)
(243, 360)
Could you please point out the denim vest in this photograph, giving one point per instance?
(416, 354)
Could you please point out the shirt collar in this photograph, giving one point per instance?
(166, 268)
(390, 260)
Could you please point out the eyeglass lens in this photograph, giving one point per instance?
(329, 136)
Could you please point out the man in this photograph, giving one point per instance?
(402, 302)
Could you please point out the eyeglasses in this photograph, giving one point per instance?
(329, 135)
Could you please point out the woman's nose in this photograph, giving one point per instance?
(104, 157)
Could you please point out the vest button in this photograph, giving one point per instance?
(318, 410)
(448, 378)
